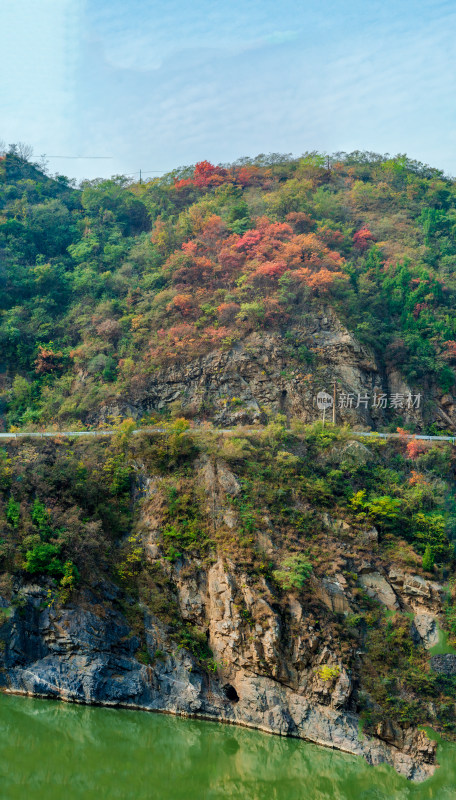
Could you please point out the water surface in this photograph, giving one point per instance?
(54, 751)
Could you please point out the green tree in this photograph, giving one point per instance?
(293, 572)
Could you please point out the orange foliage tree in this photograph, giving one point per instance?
(48, 361)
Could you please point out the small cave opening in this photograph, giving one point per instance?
(231, 693)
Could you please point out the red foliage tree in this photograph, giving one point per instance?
(212, 235)
(330, 237)
(197, 271)
(248, 176)
(415, 447)
(321, 281)
(419, 307)
(249, 241)
(307, 250)
(417, 479)
(268, 272)
(274, 313)
(363, 239)
(230, 257)
(205, 174)
(190, 248)
(184, 183)
(265, 240)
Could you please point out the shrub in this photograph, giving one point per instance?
(275, 431)
(68, 581)
(328, 673)
(292, 573)
(41, 518)
(428, 559)
(193, 640)
(43, 559)
(234, 449)
(286, 459)
(13, 512)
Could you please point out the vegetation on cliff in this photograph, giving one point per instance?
(299, 510)
(103, 285)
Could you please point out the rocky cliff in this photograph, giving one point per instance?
(204, 630)
(267, 373)
(86, 654)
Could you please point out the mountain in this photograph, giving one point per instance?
(230, 293)
(243, 561)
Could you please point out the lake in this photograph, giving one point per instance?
(56, 751)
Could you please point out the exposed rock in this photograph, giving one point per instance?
(277, 670)
(447, 401)
(227, 480)
(191, 590)
(365, 566)
(265, 543)
(415, 590)
(342, 690)
(257, 373)
(354, 452)
(219, 484)
(390, 732)
(378, 587)
(427, 629)
(334, 524)
(369, 538)
(332, 594)
(445, 664)
(79, 654)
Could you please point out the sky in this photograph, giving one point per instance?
(154, 85)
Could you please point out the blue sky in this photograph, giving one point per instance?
(156, 85)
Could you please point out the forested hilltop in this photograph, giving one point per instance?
(110, 292)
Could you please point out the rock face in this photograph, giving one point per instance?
(260, 376)
(418, 593)
(88, 654)
(445, 664)
(332, 594)
(427, 629)
(274, 666)
(378, 587)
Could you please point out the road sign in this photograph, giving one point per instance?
(324, 401)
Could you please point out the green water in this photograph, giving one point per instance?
(54, 751)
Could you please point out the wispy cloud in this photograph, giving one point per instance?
(142, 36)
(164, 84)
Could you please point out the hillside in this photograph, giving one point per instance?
(230, 293)
(293, 582)
(281, 574)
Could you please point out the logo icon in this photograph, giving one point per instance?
(324, 401)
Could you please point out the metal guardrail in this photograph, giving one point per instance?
(406, 436)
(112, 432)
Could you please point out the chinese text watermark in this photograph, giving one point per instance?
(396, 400)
